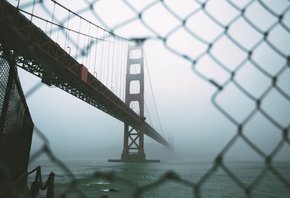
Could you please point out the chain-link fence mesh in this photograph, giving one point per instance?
(16, 125)
(242, 49)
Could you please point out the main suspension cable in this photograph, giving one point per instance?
(146, 65)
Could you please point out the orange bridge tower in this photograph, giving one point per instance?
(133, 149)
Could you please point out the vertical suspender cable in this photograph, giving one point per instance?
(118, 68)
(57, 35)
(52, 19)
(102, 58)
(122, 55)
(67, 33)
(84, 47)
(123, 72)
(105, 60)
(113, 60)
(46, 27)
(108, 62)
(32, 12)
(88, 47)
(148, 115)
(96, 50)
(78, 36)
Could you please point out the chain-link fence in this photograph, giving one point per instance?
(16, 125)
(241, 48)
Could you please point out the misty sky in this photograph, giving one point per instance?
(184, 95)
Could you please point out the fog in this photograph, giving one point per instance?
(193, 112)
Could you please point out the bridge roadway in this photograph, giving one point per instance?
(40, 55)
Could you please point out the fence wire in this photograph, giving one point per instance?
(16, 125)
(248, 46)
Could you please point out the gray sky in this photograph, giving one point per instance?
(184, 99)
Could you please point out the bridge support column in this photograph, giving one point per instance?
(133, 149)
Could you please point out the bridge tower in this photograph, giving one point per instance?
(133, 149)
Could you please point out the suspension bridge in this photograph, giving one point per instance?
(92, 64)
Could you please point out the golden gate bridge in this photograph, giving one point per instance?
(85, 60)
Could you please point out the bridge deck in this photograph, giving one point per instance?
(40, 55)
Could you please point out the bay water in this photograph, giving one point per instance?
(169, 178)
